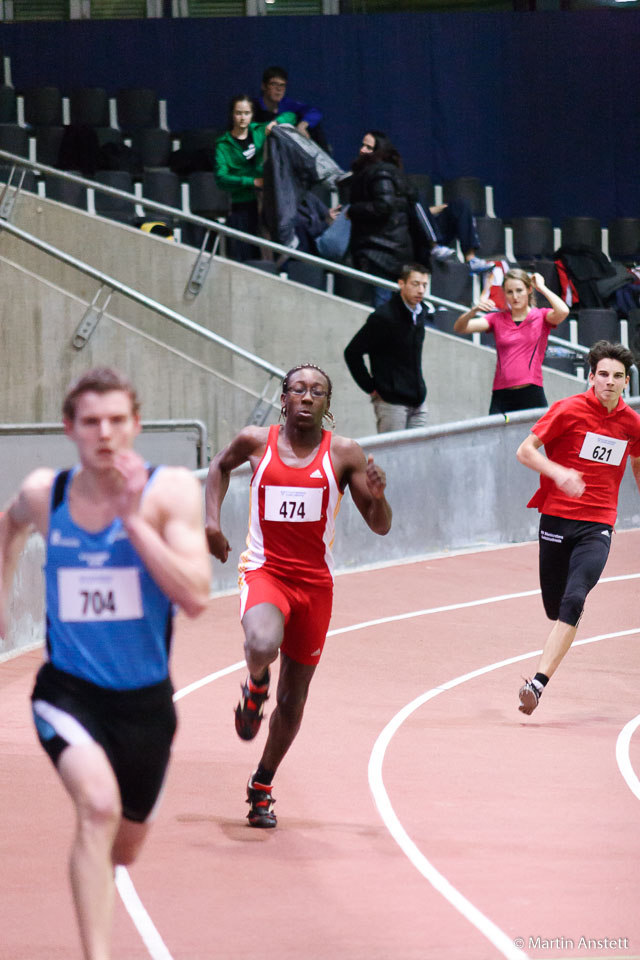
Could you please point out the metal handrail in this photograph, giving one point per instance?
(220, 228)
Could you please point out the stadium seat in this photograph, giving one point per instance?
(423, 184)
(43, 106)
(350, 288)
(206, 199)
(308, 273)
(451, 280)
(137, 108)
(624, 239)
(65, 191)
(581, 230)
(151, 146)
(29, 182)
(8, 107)
(633, 320)
(492, 238)
(532, 237)
(115, 208)
(598, 324)
(466, 188)
(90, 106)
(48, 140)
(547, 269)
(14, 139)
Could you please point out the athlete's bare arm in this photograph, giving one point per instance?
(249, 444)
(166, 529)
(565, 478)
(26, 512)
(366, 481)
(635, 466)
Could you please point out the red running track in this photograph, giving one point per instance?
(526, 826)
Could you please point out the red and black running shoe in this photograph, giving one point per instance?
(260, 805)
(249, 710)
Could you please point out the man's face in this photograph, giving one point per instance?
(608, 382)
(274, 90)
(104, 424)
(306, 399)
(414, 288)
(368, 144)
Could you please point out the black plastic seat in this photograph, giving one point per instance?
(492, 238)
(598, 324)
(443, 319)
(115, 208)
(581, 230)
(532, 237)
(350, 288)
(163, 186)
(151, 146)
(423, 184)
(624, 239)
(451, 280)
(470, 189)
(308, 273)
(549, 273)
(8, 106)
(109, 135)
(206, 199)
(199, 138)
(43, 106)
(268, 266)
(65, 191)
(137, 108)
(48, 140)
(633, 320)
(90, 106)
(14, 139)
(29, 182)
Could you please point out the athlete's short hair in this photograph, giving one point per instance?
(307, 366)
(605, 350)
(408, 268)
(98, 380)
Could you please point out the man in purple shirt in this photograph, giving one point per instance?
(273, 102)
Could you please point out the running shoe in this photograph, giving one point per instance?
(250, 708)
(260, 805)
(529, 697)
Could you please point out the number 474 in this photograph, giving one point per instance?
(291, 509)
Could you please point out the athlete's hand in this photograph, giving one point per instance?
(376, 479)
(570, 482)
(132, 479)
(219, 546)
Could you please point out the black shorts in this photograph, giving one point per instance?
(134, 727)
(510, 400)
(573, 554)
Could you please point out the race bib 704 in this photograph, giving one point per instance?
(111, 593)
(602, 449)
(293, 504)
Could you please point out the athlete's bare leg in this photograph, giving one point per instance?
(89, 779)
(293, 688)
(263, 627)
(557, 644)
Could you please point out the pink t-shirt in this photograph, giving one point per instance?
(520, 347)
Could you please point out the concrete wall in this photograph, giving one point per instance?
(285, 323)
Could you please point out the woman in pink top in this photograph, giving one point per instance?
(521, 331)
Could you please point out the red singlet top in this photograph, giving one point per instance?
(292, 516)
(580, 433)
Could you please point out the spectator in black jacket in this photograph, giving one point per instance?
(392, 338)
(379, 210)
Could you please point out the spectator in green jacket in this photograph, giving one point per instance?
(238, 167)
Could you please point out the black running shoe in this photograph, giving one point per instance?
(249, 710)
(529, 697)
(260, 805)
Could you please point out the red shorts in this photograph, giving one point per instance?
(306, 609)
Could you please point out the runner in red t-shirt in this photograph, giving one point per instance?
(300, 472)
(587, 439)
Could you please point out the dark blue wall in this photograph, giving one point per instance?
(543, 106)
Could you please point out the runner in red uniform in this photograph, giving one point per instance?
(587, 439)
(286, 572)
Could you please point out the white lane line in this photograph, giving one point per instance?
(126, 889)
(141, 919)
(440, 883)
(622, 755)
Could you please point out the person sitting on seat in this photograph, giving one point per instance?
(273, 102)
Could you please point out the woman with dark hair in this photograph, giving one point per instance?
(379, 208)
(239, 166)
(521, 331)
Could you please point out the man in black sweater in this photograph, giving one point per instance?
(392, 338)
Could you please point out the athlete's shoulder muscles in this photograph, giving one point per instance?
(30, 505)
(347, 457)
(250, 441)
